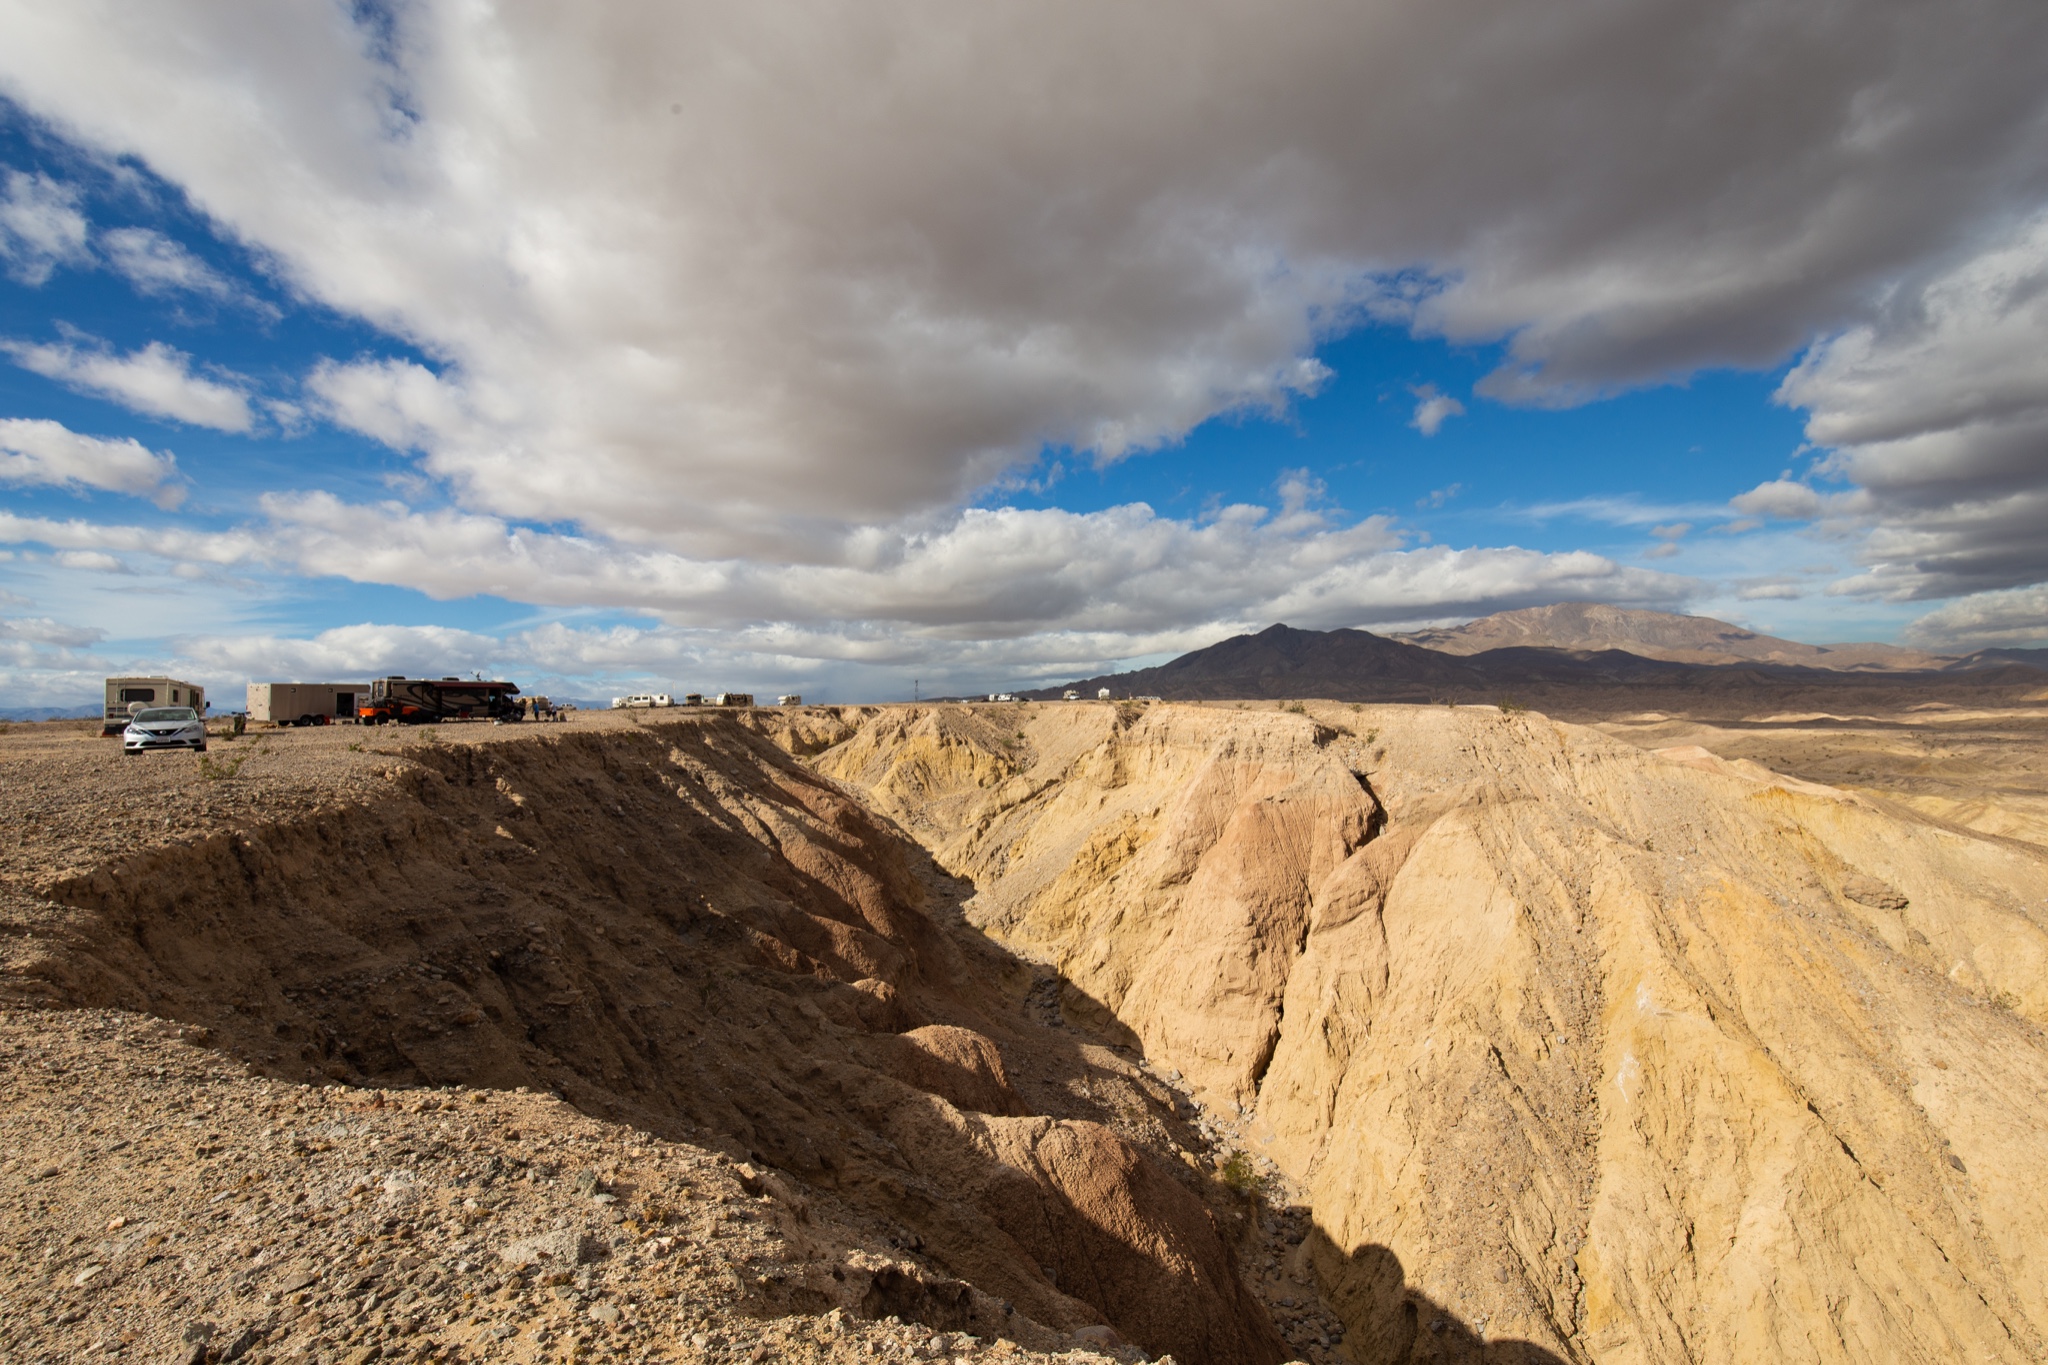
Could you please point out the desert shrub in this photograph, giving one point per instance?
(1239, 1175)
(226, 768)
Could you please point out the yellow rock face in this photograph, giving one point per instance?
(1630, 1056)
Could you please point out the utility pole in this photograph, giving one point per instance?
(914, 685)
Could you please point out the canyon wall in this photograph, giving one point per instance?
(1568, 1047)
(682, 928)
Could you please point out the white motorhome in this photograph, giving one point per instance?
(296, 703)
(126, 696)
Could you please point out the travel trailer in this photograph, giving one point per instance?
(126, 696)
(305, 703)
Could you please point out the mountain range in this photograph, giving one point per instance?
(1569, 645)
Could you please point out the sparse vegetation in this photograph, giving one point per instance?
(2007, 1001)
(1295, 708)
(1239, 1175)
(222, 770)
(1509, 706)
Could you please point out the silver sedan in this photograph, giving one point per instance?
(164, 727)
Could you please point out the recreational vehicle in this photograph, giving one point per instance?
(126, 696)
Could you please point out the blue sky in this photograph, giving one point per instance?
(532, 370)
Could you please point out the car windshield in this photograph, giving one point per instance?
(165, 715)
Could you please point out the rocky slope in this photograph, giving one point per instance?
(679, 929)
(1234, 1033)
(1659, 635)
(1572, 1048)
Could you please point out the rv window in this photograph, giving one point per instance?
(129, 694)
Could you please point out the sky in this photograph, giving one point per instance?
(851, 349)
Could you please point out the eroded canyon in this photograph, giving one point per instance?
(1318, 1031)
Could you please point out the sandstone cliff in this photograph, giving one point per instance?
(1622, 1056)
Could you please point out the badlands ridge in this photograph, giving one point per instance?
(1320, 1032)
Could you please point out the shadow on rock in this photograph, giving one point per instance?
(682, 928)
(1387, 1322)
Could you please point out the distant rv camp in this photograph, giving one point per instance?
(392, 700)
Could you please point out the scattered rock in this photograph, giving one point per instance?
(1873, 893)
(562, 1248)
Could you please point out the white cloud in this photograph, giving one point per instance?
(42, 630)
(1433, 409)
(90, 561)
(740, 281)
(40, 227)
(156, 380)
(36, 451)
(1938, 411)
(159, 267)
(1780, 498)
(1125, 579)
(2014, 616)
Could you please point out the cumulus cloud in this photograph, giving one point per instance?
(2014, 616)
(1937, 410)
(738, 280)
(40, 227)
(159, 267)
(1779, 498)
(1122, 576)
(156, 380)
(1433, 409)
(36, 451)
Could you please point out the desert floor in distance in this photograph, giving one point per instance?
(1305, 1031)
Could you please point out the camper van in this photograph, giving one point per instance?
(126, 696)
(305, 703)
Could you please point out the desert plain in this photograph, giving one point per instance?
(1602, 1029)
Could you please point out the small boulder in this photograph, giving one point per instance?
(559, 1249)
(1873, 893)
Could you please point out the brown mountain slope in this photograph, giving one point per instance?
(1630, 1057)
(1659, 635)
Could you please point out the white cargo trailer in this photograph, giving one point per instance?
(296, 703)
(126, 696)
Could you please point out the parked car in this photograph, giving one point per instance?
(164, 727)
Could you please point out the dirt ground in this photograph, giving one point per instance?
(401, 1000)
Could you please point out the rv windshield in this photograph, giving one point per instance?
(165, 715)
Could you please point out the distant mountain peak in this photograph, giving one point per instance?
(1670, 636)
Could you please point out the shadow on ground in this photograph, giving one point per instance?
(682, 928)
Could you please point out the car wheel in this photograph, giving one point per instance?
(200, 747)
